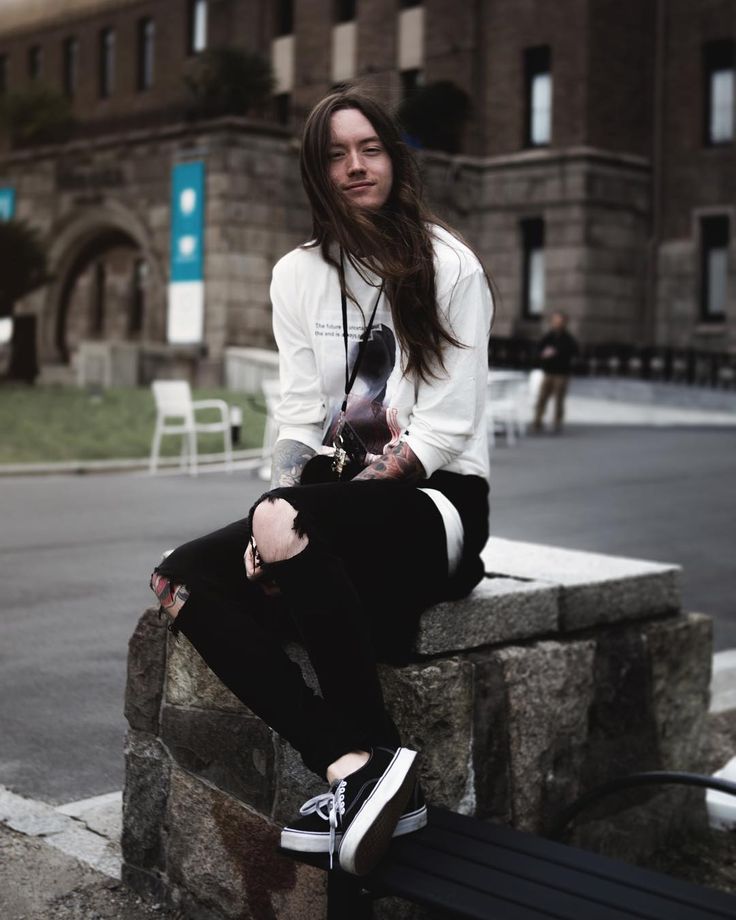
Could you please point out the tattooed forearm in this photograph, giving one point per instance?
(170, 597)
(399, 462)
(288, 461)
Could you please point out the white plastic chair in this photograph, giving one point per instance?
(271, 389)
(506, 405)
(174, 401)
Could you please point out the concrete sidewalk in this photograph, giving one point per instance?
(64, 863)
(583, 409)
(38, 882)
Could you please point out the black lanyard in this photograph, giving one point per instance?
(351, 375)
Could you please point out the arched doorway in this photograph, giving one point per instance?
(103, 295)
(107, 283)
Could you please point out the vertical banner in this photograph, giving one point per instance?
(7, 202)
(7, 212)
(185, 320)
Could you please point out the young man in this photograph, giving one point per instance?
(382, 324)
(556, 351)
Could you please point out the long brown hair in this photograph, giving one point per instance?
(394, 242)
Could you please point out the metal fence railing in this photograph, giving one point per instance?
(672, 365)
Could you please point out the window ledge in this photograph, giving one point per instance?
(717, 327)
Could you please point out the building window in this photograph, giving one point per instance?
(282, 64)
(107, 63)
(344, 10)
(138, 297)
(70, 62)
(285, 17)
(411, 80)
(714, 240)
(344, 56)
(146, 53)
(538, 82)
(410, 39)
(35, 62)
(3, 74)
(282, 104)
(99, 279)
(532, 240)
(719, 60)
(197, 40)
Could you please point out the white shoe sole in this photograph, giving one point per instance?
(370, 831)
(319, 841)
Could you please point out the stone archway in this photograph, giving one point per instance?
(77, 243)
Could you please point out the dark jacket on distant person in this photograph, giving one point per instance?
(566, 348)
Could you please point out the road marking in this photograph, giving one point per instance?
(88, 830)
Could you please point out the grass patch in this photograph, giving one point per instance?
(51, 423)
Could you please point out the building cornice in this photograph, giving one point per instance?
(232, 124)
(18, 17)
(549, 156)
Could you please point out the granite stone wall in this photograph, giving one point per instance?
(561, 670)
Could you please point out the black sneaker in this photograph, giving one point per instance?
(311, 834)
(362, 811)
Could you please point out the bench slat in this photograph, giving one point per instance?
(522, 893)
(534, 870)
(716, 903)
(424, 888)
(575, 892)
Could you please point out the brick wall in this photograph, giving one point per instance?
(511, 26)
(312, 36)
(694, 178)
(249, 20)
(693, 175)
(620, 75)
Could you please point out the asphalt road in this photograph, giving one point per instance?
(75, 554)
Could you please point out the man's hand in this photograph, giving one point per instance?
(254, 570)
(398, 462)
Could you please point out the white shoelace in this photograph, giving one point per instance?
(329, 806)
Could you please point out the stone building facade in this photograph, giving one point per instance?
(115, 194)
(597, 173)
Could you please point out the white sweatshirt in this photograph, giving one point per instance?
(443, 420)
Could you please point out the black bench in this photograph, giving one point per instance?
(469, 868)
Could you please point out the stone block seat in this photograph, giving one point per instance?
(562, 670)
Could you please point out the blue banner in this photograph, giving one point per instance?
(7, 203)
(187, 222)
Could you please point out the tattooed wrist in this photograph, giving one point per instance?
(398, 462)
(167, 594)
(288, 461)
(162, 588)
(181, 594)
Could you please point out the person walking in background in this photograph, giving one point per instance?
(556, 350)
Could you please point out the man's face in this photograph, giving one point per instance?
(558, 322)
(360, 167)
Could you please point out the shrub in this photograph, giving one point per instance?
(37, 115)
(229, 81)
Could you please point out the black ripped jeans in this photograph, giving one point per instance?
(376, 558)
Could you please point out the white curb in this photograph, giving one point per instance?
(88, 830)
